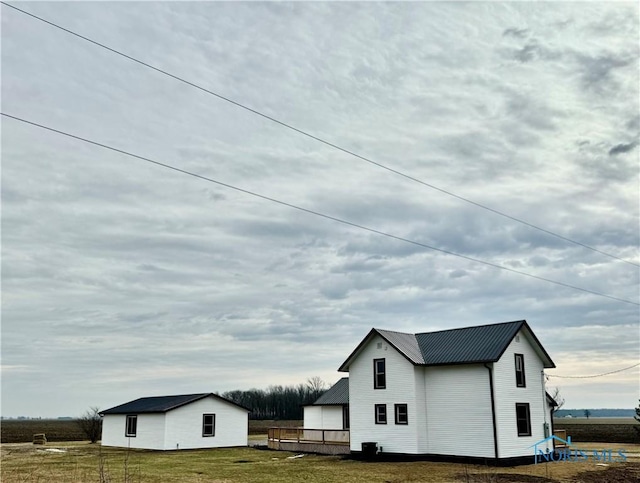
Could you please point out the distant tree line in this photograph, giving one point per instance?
(278, 402)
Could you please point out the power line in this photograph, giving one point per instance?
(316, 213)
(595, 375)
(323, 141)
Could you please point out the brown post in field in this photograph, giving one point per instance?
(39, 438)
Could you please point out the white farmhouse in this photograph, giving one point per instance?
(475, 392)
(186, 421)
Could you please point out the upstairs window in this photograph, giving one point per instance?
(520, 380)
(208, 425)
(402, 414)
(523, 418)
(379, 374)
(381, 413)
(131, 426)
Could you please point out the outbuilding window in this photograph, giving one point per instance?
(381, 413)
(402, 414)
(523, 419)
(379, 374)
(131, 426)
(208, 425)
(345, 417)
(520, 380)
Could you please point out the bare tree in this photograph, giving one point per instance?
(91, 424)
(587, 413)
(557, 397)
(316, 387)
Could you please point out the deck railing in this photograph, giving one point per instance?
(303, 435)
(562, 434)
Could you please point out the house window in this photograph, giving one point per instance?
(523, 419)
(381, 413)
(379, 374)
(131, 426)
(345, 417)
(402, 414)
(208, 425)
(520, 381)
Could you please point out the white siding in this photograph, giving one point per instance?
(420, 415)
(323, 417)
(112, 429)
(312, 417)
(400, 389)
(149, 434)
(332, 417)
(184, 425)
(507, 395)
(459, 418)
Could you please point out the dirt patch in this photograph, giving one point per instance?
(617, 474)
(488, 477)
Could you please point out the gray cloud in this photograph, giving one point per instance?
(111, 264)
(623, 148)
(599, 71)
(515, 32)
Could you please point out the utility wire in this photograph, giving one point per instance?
(323, 141)
(316, 213)
(595, 375)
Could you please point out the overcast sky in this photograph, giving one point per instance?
(122, 279)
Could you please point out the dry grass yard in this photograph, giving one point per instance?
(75, 462)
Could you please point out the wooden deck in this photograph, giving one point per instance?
(322, 441)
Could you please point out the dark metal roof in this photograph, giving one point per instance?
(407, 344)
(161, 404)
(478, 344)
(484, 343)
(337, 395)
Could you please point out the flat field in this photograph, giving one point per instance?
(83, 462)
(570, 421)
(22, 430)
(622, 430)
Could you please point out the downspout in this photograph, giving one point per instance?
(545, 407)
(493, 411)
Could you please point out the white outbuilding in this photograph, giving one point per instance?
(187, 421)
(331, 410)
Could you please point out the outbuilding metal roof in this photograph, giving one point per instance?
(478, 344)
(337, 395)
(161, 404)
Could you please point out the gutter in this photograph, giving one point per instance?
(493, 411)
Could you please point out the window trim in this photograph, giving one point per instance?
(212, 424)
(377, 374)
(528, 419)
(378, 415)
(520, 357)
(134, 418)
(397, 408)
